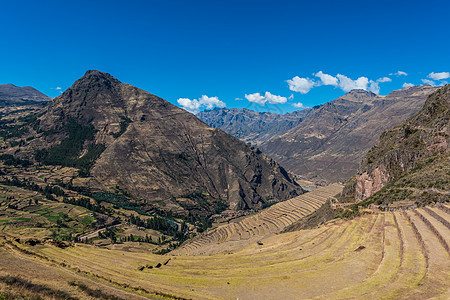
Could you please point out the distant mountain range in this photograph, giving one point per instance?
(250, 126)
(14, 95)
(324, 144)
(331, 141)
(122, 137)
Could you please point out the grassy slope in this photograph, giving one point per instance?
(395, 262)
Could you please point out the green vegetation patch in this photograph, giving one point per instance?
(123, 126)
(203, 202)
(118, 200)
(22, 219)
(87, 220)
(67, 152)
(10, 160)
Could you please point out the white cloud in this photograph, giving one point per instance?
(297, 105)
(439, 76)
(210, 102)
(193, 106)
(399, 73)
(238, 99)
(256, 98)
(301, 85)
(291, 97)
(426, 81)
(274, 99)
(304, 85)
(405, 85)
(327, 79)
(261, 100)
(58, 88)
(384, 79)
(374, 87)
(347, 84)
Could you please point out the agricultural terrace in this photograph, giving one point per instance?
(252, 228)
(401, 254)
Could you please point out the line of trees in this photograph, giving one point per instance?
(86, 203)
(160, 224)
(48, 191)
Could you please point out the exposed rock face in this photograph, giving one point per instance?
(251, 126)
(412, 154)
(332, 140)
(368, 184)
(159, 152)
(14, 95)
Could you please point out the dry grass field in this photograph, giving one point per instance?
(387, 255)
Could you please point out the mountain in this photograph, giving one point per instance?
(124, 138)
(251, 126)
(331, 141)
(14, 95)
(410, 161)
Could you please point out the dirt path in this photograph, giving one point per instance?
(89, 235)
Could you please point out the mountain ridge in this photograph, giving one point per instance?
(154, 150)
(251, 126)
(330, 142)
(11, 94)
(410, 158)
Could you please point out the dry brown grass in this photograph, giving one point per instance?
(399, 260)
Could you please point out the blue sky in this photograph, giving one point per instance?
(227, 49)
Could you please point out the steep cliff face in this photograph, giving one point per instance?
(161, 154)
(413, 155)
(251, 126)
(331, 141)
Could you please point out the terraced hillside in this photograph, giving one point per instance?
(271, 220)
(401, 255)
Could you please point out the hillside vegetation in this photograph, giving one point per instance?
(410, 162)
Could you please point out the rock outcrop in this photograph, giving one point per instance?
(413, 156)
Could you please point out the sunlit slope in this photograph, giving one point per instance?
(271, 220)
(387, 255)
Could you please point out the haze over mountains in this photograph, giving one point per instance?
(140, 143)
(14, 95)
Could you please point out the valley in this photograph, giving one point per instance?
(401, 254)
(224, 150)
(86, 211)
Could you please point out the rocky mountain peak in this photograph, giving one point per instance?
(96, 78)
(362, 92)
(155, 150)
(359, 95)
(94, 85)
(96, 98)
